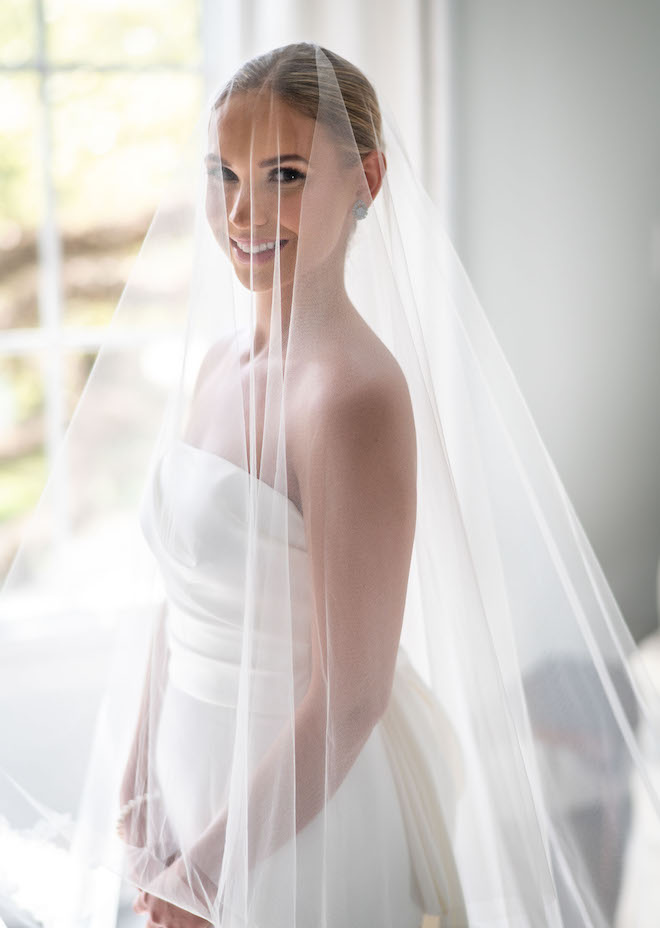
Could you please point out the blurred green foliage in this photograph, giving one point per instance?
(21, 481)
(126, 32)
(17, 31)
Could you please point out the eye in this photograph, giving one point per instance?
(287, 175)
(221, 172)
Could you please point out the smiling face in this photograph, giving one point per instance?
(269, 157)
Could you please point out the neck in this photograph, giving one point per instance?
(320, 300)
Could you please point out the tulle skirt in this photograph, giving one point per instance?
(363, 854)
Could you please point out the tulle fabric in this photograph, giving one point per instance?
(315, 601)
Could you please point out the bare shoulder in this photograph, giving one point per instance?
(215, 357)
(358, 408)
(362, 390)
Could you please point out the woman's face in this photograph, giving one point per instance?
(247, 185)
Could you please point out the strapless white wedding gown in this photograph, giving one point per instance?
(385, 802)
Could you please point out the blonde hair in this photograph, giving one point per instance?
(294, 73)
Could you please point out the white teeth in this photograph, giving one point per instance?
(255, 249)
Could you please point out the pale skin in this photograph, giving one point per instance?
(363, 423)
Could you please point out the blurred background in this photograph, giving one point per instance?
(535, 126)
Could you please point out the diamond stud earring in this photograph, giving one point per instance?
(360, 209)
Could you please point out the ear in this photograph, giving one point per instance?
(374, 164)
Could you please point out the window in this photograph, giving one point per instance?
(95, 99)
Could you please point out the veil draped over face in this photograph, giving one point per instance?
(304, 579)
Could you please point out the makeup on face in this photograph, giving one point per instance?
(258, 250)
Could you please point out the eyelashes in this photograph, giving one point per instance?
(293, 174)
(277, 175)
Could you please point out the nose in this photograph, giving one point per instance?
(246, 209)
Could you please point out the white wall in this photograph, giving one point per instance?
(556, 210)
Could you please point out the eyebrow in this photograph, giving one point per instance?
(268, 162)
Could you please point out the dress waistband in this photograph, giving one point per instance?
(206, 662)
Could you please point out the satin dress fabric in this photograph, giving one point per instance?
(393, 798)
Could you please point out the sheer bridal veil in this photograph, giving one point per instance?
(302, 488)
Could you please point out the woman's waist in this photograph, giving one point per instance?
(220, 661)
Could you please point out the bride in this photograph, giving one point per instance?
(284, 194)
(370, 669)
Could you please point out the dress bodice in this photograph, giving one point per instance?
(194, 518)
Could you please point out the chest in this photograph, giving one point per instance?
(238, 405)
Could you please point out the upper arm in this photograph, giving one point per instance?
(359, 498)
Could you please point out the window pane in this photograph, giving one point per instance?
(22, 461)
(17, 19)
(123, 31)
(77, 367)
(116, 140)
(20, 192)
